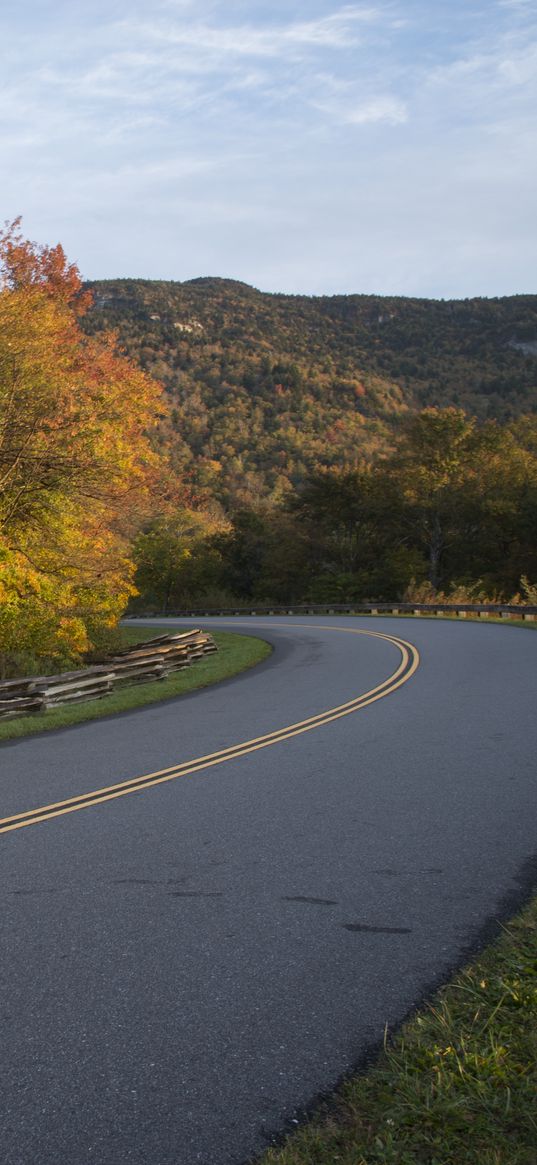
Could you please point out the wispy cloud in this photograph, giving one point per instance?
(382, 108)
(493, 84)
(175, 59)
(336, 31)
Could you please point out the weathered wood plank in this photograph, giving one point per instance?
(144, 661)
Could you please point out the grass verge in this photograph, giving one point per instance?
(458, 1085)
(457, 619)
(235, 654)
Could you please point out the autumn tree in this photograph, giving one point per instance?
(432, 474)
(176, 562)
(459, 494)
(78, 468)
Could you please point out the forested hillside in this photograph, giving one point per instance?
(268, 388)
(302, 449)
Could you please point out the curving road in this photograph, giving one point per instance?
(189, 959)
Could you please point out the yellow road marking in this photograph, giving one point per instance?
(408, 665)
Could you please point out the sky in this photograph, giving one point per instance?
(304, 146)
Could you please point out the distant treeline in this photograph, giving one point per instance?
(453, 509)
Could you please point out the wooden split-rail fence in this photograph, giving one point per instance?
(152, 660)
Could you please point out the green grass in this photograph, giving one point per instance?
(235, 654)
(458, 1086)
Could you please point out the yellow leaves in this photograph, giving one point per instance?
(78, 470)
(72, 635)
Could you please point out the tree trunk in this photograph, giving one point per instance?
(436, 546)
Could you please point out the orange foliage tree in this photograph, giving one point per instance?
(79, 470)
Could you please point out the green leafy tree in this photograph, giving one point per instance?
(176, 563)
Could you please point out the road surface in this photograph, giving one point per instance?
(188, 960)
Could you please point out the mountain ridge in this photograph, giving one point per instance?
(265, 387)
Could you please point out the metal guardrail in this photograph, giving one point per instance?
(503, 610)
(152, 660)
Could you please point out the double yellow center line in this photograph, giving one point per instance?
(407, 667)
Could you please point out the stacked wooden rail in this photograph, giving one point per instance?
(152, 660)
(502, 610)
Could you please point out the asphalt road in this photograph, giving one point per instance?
(186, 967)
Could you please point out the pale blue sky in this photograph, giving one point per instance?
(315, 147)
